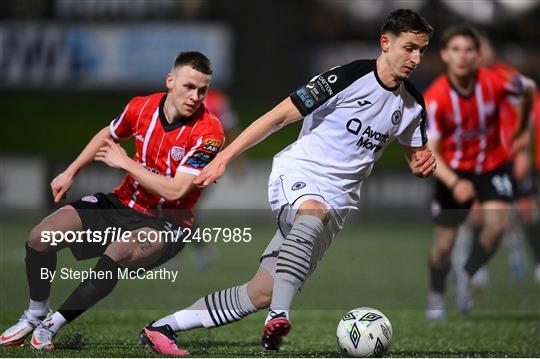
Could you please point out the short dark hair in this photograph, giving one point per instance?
(406, 20)
(460, 30)
(193, 59)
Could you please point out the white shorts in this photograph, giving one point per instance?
(286, 195)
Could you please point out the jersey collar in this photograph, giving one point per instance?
(391, 89)
(460, 94)
(176, 124)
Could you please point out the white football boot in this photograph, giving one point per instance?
(15, 335)
(42, 336)
(436, 306)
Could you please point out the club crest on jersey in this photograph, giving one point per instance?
(177, 153)
(396, 117)
(298, 185)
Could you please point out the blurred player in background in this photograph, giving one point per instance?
(525, 187)
(465, 134)
(175, 137)
(351, 113)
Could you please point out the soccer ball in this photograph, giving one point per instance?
(364, 332)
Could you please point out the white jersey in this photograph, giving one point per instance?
(350, 117)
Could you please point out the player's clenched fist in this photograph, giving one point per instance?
(425, 163)
(112, 154)
(60, 185)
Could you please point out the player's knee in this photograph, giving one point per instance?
(315, 208)
(497, 228)
(123, 254)
(35, 241)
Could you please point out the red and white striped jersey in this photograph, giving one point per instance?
(163, 148)
(468, 128)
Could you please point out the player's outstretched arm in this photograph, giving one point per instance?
(280, 116)
(61, 184)
(169, 188)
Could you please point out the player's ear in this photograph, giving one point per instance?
(444, 55)
(385, 42)
(169, 81)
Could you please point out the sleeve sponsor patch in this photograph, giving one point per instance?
(312, 95)
(200, 159)
(213, 142)
(212, 145)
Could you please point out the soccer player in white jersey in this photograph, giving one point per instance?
(351, 113)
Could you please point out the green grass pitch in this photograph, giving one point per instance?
(382, 265)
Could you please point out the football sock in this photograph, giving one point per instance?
(55, 322)
(438, 276)
(533, 236)
(38, 309)
(479, 256)
(214, 310)
(36, 261)
(91, 290)
(294, 260)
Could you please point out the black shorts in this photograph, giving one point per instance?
(495, 185)
(100, 211)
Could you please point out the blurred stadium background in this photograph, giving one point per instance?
(68, 67)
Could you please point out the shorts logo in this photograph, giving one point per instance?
(91, 199)
(298, 185)
(177, 153)
(332, 78)
(396, 117)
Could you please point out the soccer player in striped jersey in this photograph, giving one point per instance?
(351, 113)
(465, 134)
(175, 138)
(525, 201)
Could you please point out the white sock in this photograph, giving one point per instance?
(214, 310)
(55, 322)
(37, 309)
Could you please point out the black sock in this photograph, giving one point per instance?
(533, 236)
(479, 256)
(40, 289)
(91, 291)
(438, 277)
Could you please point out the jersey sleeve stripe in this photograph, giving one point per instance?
(189, 170)
(116, 123)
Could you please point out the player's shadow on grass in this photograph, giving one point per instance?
(210, 347)
(72, 340)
